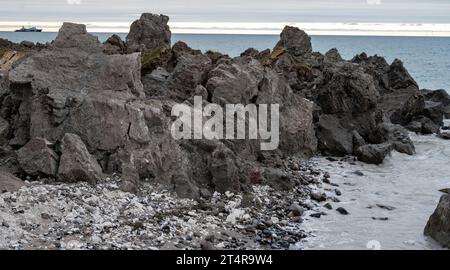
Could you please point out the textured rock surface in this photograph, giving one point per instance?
(9, 183)
(399, 77)
(74, 87)
(37, 158)
(334, 139)
(149, 32)
(4, 131)
(77, 164)
(114, 45)
(295, 41)
(438, 227)
(373, 153)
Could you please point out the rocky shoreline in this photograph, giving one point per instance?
(95, 119)
(48, 215)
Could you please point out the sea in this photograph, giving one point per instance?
(426, 58)
(408, 184)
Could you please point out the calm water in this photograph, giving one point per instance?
(427, 58)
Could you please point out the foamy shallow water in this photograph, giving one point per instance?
(408, 183)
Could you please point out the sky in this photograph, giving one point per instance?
(426, 16)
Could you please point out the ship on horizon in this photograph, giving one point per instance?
(31, 29)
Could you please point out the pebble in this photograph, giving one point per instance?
(386, 207)
(342, 211)
(296, 210)
(380, 218)
(206, 245)
(297, 219)
(319, 197)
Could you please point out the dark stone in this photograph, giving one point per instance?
(342, 211)
(296, 210)
(438, 226)
(399, 77)
(386, 207)
(148, 33)
(374, 153)
(333, 138)
(380, 218)
(37, 158)
(294, 41)
(319, 197)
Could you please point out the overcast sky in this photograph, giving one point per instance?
(229, 10)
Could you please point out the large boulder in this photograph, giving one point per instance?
(401, 101)
(438, 226)
(334, 138)
(396, 135)
(72, 35)
(399, 77)
(37, 158)
(438, 102)
(294, 41)
(114, 45)
(9, 183)
(373, 153)
(347, 88)
(77, 164)
(190, 71)
(148, 33)
(224, 171)
(376, 66)
(73, 87)
(244, 80)
(235, 82)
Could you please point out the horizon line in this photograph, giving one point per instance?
(260, 28)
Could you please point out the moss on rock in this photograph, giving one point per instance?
(151, 57)
(269, 59)
(3, 51)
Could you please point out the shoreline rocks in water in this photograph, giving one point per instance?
(79, 110)
(438, 227)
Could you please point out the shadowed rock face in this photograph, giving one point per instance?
(37, 158)
(77, 164)
(438, 227)
(9, 183)
(399, 77)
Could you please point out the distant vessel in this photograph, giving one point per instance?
(31, 29)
